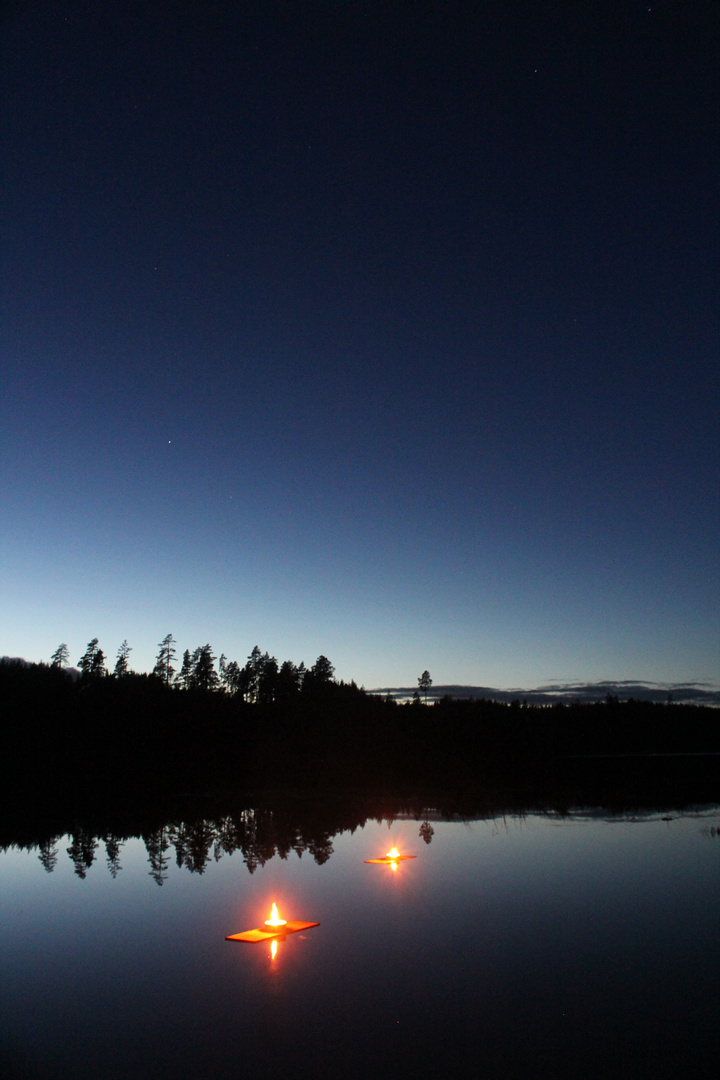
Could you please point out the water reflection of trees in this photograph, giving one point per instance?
(195, 831)
(112, 853)
(257, 834)
(48, 855)
(82, 851)
(157, 844)
(427, 832)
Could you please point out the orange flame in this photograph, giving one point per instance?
(274, 920)
(393, 853)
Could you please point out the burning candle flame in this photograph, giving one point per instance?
(274, 920)
(393, 853)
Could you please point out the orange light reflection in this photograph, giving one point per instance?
(273, 948)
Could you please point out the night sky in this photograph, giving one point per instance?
(388, 331)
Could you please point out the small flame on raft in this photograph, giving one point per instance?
(274, 920)
(393, 853)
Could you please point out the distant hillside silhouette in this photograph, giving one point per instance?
(581, 692)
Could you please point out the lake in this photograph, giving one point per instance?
(541, 945)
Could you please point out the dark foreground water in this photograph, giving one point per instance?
(521, 947)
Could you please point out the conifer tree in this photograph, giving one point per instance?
(289, 680)
(267, 683)
(121, 664)
(204, 675)
(86, 660)
(98, 665)
(61, 657)
(322, 670)
(185, 676)
(163, 664)
(251, 674)
(232, 677)
(425, 682)
(92, 662)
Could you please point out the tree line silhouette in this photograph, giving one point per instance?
(259, 680)
(77, 739)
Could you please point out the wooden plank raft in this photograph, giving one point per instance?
(291, 927)
(387, 859)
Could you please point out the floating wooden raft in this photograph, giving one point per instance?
(290, 927)
(387, 859)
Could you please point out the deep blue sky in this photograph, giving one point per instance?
(387, 331)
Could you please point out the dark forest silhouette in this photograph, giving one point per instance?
(106, 748)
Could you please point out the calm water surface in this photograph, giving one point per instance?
(524, 947)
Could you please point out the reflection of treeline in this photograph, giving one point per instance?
(259, 835)
(96, 737)
(206, 829)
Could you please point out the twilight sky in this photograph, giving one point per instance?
(388, 331)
